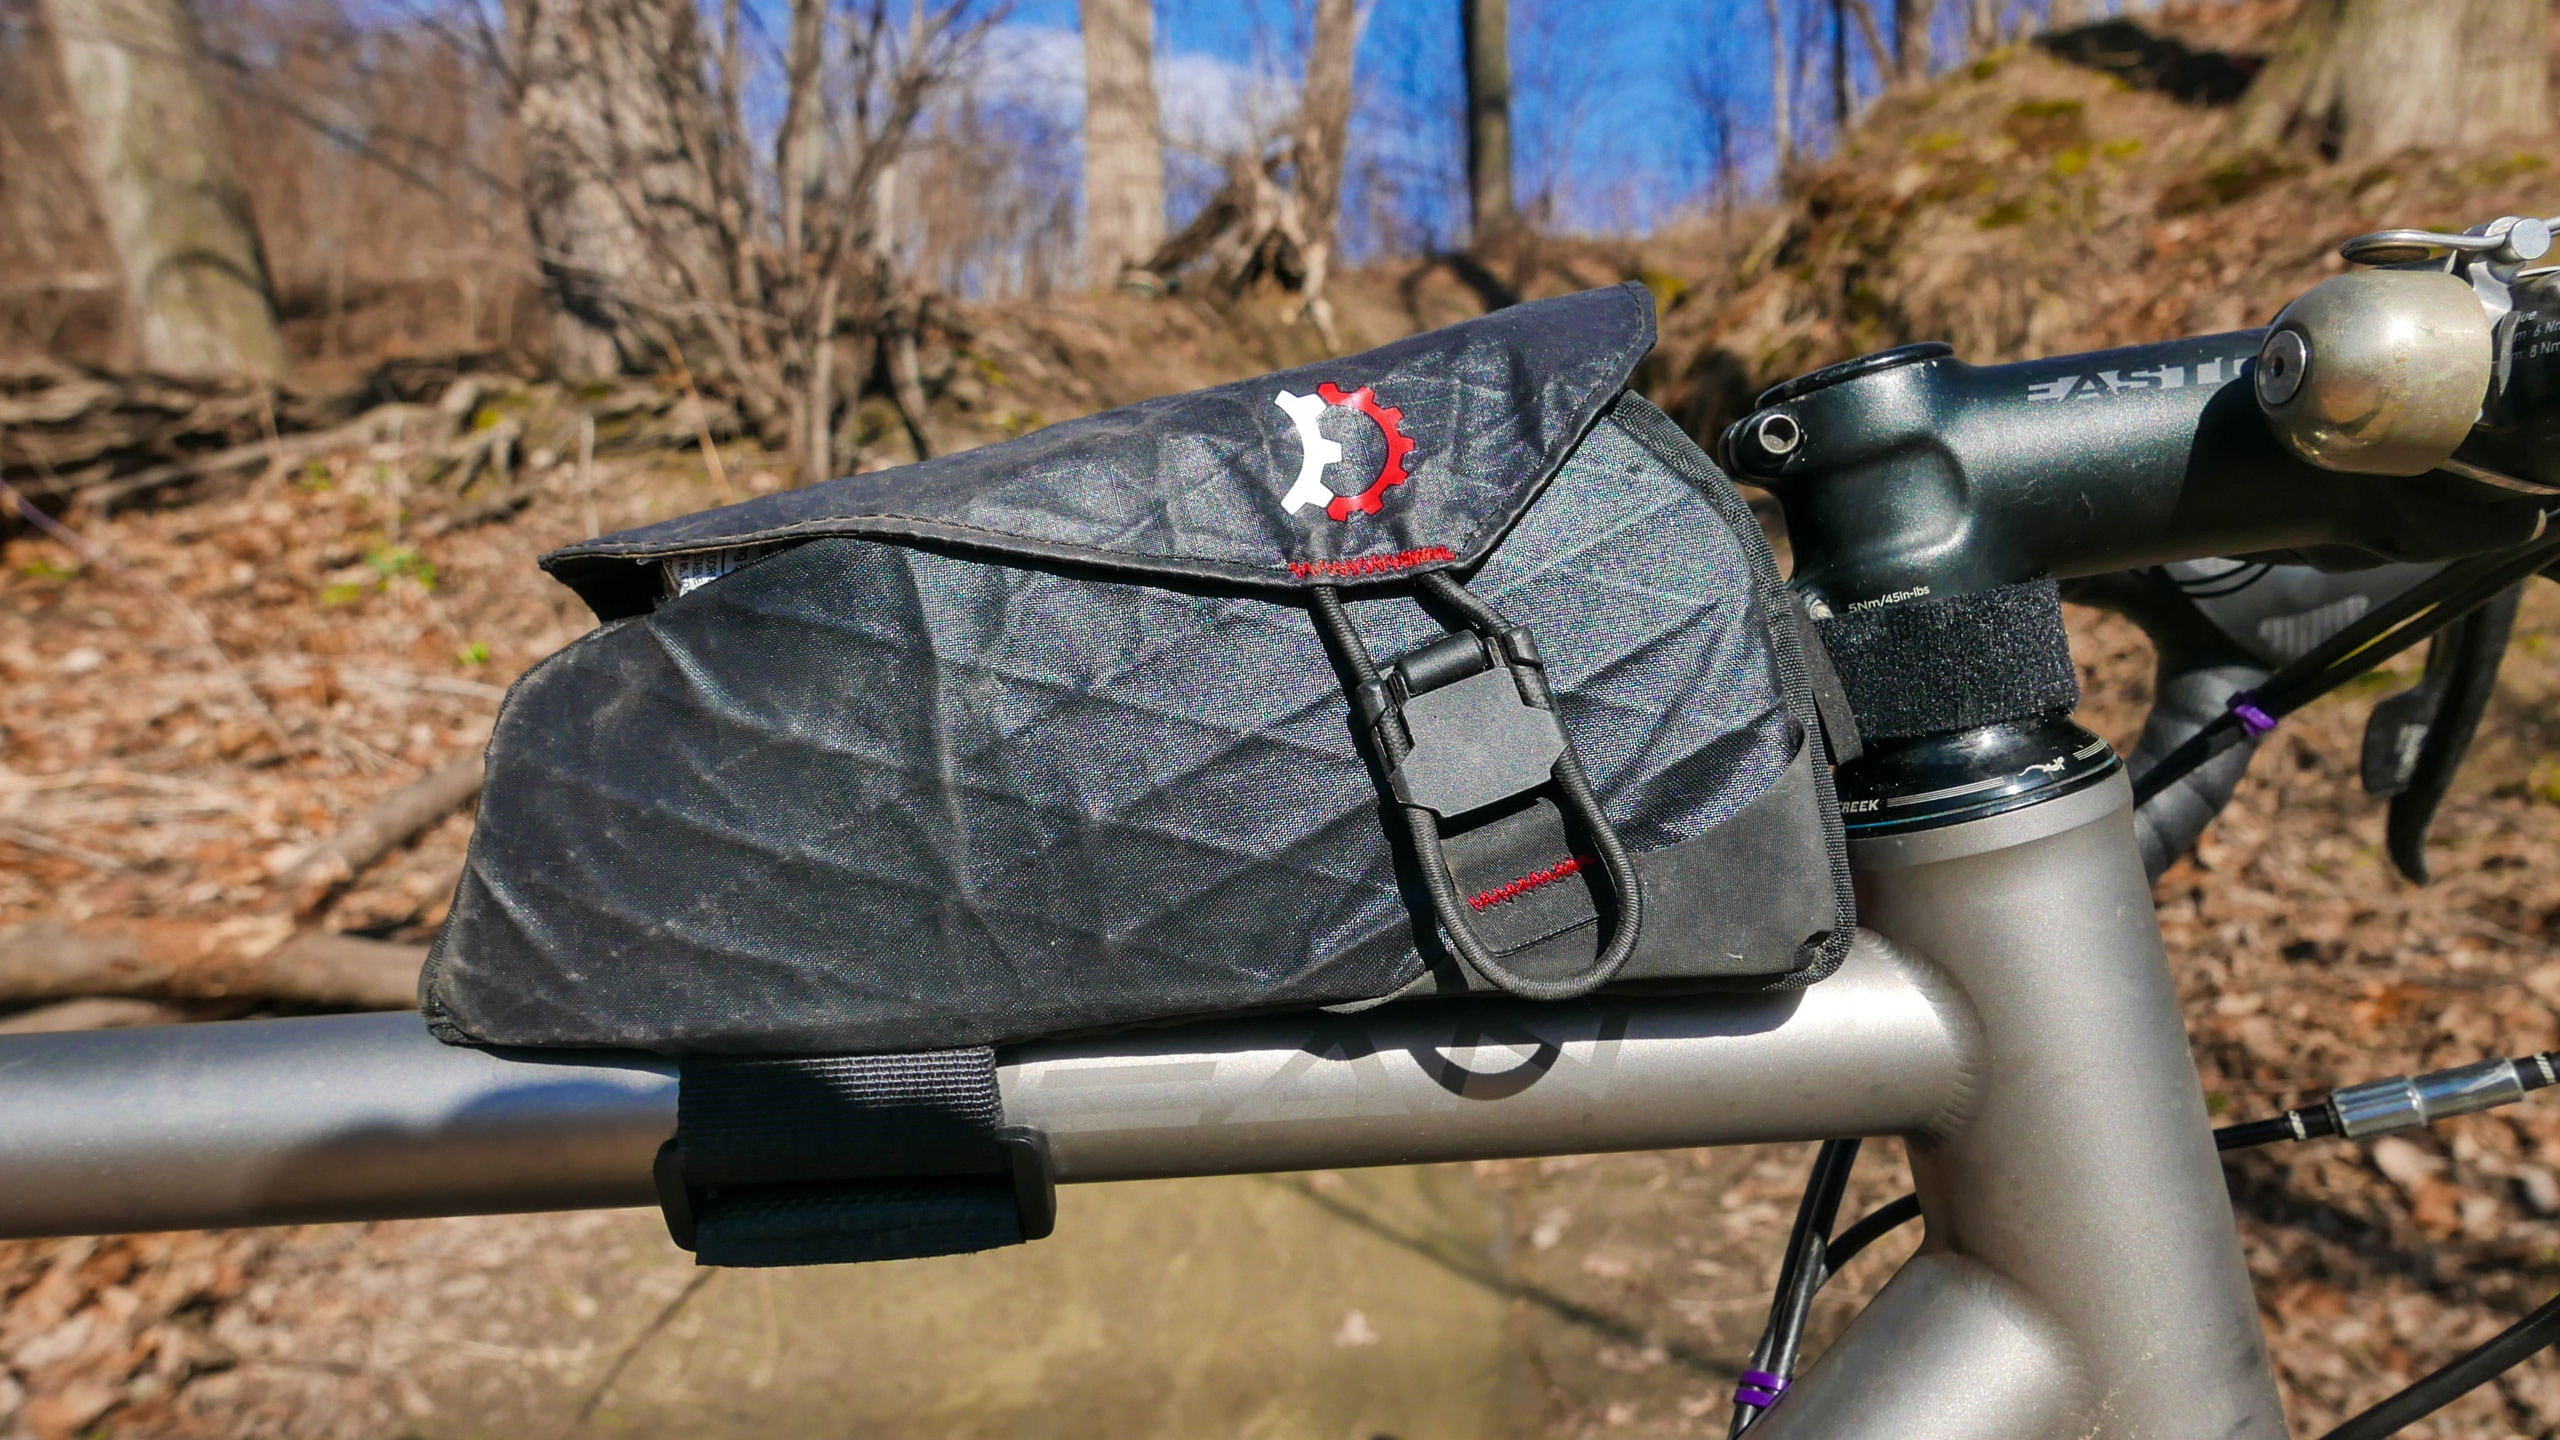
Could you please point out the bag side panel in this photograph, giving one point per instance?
(858, 797)
(861, 797)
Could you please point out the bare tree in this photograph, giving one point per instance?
(1257, 227)
(2361, 78)
(1982, 27)
(1911, 20)
(1123, 139)
(1322, 145)
(194, 273)
(1486, 33)
(611, 101)
(1719, 116)
(666, 227)
(1781, 87)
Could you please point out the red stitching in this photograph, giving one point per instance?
(1369, 564)
(1501, 894)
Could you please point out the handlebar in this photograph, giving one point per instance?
(2406, 414)
(1912, 474)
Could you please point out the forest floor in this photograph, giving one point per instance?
(195, 692)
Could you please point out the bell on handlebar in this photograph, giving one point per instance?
(2377, 372)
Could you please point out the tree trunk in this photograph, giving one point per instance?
(608, 94)
(1911, 38)
(2067, 15)
(1982, 27)
(174, 207)
(2363, 78)
(1486, 32)
(1781, 84)
(1844, 93)
(1324, 137)
(1123, 141)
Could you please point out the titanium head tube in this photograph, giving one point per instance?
(2103, 1269)
(369, 1117)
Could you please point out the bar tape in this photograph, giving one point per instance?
(829, 1159)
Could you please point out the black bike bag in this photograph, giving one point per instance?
(1449, 666)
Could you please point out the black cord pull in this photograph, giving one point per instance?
(1469, 722)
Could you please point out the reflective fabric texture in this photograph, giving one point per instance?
(870, 794)
(1198, 484)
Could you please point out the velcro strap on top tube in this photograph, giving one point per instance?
(828, 1159)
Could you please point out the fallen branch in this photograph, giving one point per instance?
(256, 956)
(94, 1013)
(392, 822)
(500, 506)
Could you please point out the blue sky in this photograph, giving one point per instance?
(1613, 106)
(1610, 122)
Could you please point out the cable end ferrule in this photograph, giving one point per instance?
(1759, 1389)
(2402, 1102)
(2244, 708)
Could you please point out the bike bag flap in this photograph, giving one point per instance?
(1453, 665)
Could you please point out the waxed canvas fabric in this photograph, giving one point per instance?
(875, 788)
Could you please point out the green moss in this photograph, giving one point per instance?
(2228, 183)
(2373, 177)
(2044, 127)
(2002, 216)
(393, 561)
(2499, 172)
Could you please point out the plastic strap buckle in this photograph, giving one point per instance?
(1479, 717)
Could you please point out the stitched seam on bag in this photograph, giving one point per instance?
(1655, 431)
(1370, 564)
(1535, 880)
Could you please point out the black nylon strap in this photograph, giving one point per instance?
(1952, 662)
(1830, 699)
(827, 1224)
(828, 1159)
(765, 1120)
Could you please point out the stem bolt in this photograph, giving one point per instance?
(2281, 366)
(1777, 433)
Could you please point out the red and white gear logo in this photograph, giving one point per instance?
(1316, 452)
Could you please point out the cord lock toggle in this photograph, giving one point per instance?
(1481, 720)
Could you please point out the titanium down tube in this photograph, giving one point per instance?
(2082, 1275)
(369, 1117)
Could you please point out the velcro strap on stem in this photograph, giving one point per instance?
(1945, 663)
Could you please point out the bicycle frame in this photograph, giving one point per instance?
(2009, 1014)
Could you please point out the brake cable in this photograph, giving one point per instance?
(2403, 621)
(2357, 1112)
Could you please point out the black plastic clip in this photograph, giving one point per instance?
(1035, 1178)
(1478, 721)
